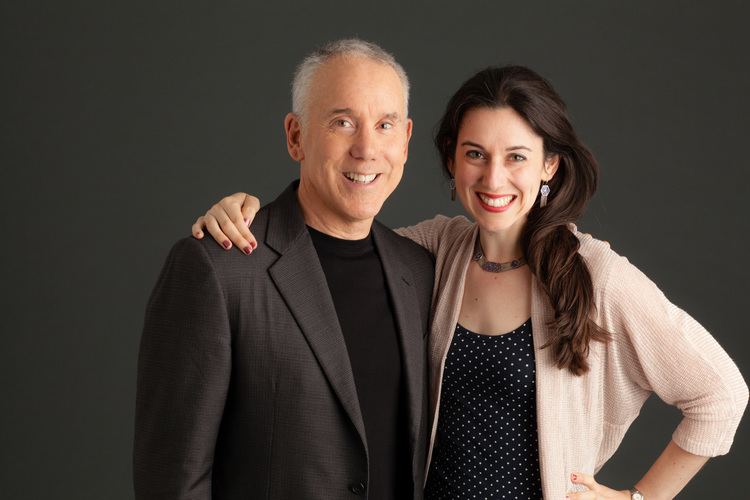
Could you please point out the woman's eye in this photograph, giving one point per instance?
(474, 154)
(517, 157)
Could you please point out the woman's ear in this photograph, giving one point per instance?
(550, 167)
(451, 167)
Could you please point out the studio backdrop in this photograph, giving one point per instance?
(124, 121)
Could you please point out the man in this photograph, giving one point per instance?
(300, 372)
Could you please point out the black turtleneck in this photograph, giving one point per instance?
(363, 305)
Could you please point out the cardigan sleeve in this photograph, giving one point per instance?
(662, 349)
(427, 233)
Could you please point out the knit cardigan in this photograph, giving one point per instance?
(654, 347)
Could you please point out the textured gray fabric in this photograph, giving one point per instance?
(244, 384)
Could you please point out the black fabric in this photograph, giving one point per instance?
(357, 284)
(486, 444)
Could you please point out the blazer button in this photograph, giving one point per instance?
(358, 489)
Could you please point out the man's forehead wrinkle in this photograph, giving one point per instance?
(340, 111)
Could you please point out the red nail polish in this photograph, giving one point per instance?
(248, 250)
(574, 477)
(226, 244)
(245, 220)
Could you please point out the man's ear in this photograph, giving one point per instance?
(293, 129)
(409, 127)
(550, 167)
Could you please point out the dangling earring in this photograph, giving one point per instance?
(452, 185)
(545, 192)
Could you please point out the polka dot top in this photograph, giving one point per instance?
(486, 443)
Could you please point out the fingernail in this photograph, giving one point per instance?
(574, 477)
(226, 244)
(254, 245)
(245, 220)
(248, 250)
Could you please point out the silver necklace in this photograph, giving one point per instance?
(494, 267)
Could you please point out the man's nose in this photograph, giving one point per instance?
(364, 146)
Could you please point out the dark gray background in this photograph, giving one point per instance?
(123, 122)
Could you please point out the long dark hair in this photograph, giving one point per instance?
(549, 245)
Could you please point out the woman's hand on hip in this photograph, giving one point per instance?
(595, 491)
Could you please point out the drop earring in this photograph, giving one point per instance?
(545, 192)
(452, 185)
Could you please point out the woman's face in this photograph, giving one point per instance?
(498, 168)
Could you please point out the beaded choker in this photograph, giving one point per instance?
(494, 267)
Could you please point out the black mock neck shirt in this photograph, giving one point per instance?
(357, 284)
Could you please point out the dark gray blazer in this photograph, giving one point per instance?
(245, 390)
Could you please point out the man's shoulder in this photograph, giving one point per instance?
(407, 249)
(414, 260)
(190, 251)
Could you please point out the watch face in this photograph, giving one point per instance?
(636, 495)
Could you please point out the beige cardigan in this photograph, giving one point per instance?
(655, 347)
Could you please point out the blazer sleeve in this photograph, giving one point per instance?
(662, 349)
(184, 366)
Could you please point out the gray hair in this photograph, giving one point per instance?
(349, 46)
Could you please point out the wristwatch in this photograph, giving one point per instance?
(635, 494)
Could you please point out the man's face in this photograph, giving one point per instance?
(352, 143)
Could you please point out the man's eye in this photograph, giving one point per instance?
(474, 154)
(343, 123)
(386, 125)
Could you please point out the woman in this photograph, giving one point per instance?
(545, 343)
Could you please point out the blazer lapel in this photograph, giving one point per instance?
(301, 281)
(405, 304)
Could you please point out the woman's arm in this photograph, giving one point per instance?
(667, 476)
(656, 346)
(229, 219)
(428, 233)
(661, 348)
(670, 473)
